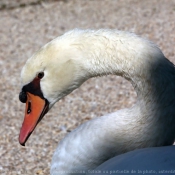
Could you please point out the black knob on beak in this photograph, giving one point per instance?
(23, 97)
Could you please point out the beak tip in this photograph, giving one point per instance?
(21, 143)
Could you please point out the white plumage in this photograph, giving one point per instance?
(78, 55)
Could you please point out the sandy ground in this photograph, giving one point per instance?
(27, 25)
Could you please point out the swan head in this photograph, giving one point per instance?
(49, 75)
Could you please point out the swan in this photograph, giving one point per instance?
(155, 160)
(66, 62)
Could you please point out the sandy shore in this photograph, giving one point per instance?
(27, 25)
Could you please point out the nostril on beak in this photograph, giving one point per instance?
(29, 108)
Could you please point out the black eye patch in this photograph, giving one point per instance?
(23, 97)
(33, 88)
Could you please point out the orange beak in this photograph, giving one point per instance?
(36, 108)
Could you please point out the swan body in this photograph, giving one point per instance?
(155, 160)
(66, 62)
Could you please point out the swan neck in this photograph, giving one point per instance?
(136, 59)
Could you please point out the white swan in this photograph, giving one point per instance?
(66, 62)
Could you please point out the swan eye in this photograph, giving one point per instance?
(40, 75)
(23, 97)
